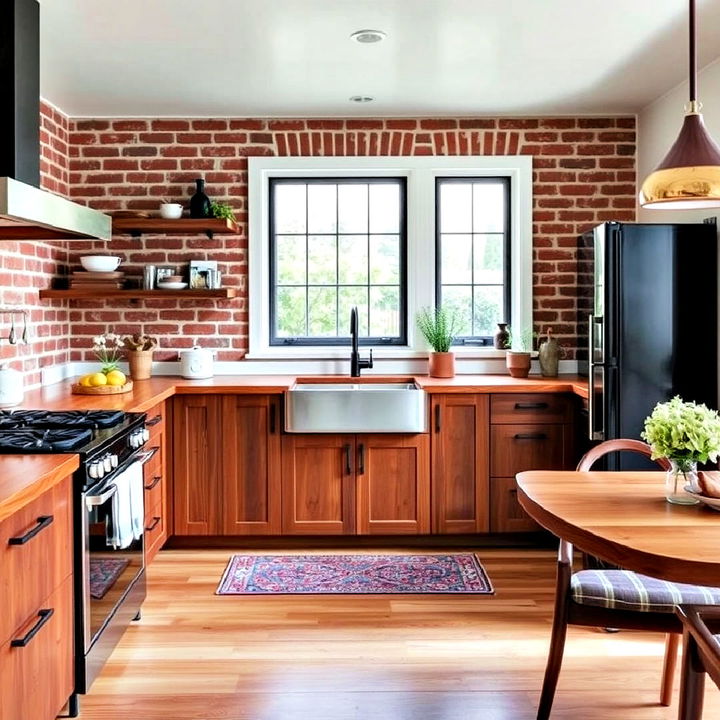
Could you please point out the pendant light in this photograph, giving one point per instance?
(689, 176)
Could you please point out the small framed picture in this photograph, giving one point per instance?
(202, 273)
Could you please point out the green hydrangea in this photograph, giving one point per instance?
(683, 431)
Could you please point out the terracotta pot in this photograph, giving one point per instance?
(140, 363)
(518, 363)
(442, 364)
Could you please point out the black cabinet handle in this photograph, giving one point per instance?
(156, 479)
(348, 466)
(43, 615)
(437, 418)
(530, 436)
(42, 522)
(531, 406)
(272, 418)
(361, 458)
(153, 524)
(157, 419)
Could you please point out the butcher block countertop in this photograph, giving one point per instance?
(25, 477)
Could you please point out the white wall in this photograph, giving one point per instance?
(658, 126)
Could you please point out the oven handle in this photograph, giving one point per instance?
(100, 498)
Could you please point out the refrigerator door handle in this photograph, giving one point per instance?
(596, 433)
(591, 377)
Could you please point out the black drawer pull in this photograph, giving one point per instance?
(272, 418)
(43, 615)
(156, 479)
(437, 418)
(153, 524)
(361, 459)
(157, 419)
(42, 522)
(531, 406)
(348, 467)
(530, 436)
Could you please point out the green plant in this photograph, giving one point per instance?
(521, 341)
(684, 432)
(138, 342)
(438, 326)
(107, 349)
(222, 210)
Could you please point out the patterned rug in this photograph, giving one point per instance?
(103, 574)
(353, 574)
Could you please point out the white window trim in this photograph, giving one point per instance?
(421, 173)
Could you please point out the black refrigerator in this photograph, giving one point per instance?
(648, 315)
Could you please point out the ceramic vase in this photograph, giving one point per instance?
(518, 363)
(200, 202)
(441, 364)
(502, 337)
(549, 356)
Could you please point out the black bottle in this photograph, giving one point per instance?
(200, 202)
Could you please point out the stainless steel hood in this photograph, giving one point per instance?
(27, 213)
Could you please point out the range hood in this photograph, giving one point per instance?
(26, 212)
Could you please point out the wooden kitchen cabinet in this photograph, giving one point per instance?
(318, 485)
(226, 465)
(36, 626)
(155, 474)
(355, 484)
(460, 463)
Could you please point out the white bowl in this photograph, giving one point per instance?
(172, 285)
(100, 263)
(171, 211)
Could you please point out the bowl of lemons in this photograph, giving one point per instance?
(103, 382)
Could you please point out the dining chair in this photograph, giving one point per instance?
(610, 597)
(701, 656)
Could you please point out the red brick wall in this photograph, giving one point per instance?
(584, 173)
(25, 267)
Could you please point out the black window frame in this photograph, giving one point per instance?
(341, 340)
(477, 340)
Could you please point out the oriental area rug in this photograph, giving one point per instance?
(354, 574)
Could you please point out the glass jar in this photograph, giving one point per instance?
(682, 473)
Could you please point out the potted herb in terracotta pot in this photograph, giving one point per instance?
(139, 352)
(438, 327)
(517, 357)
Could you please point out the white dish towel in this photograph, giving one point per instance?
(128, 509)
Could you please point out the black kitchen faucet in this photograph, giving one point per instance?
(356, 362)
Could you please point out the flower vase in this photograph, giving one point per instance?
(140, 364)
(682, 473)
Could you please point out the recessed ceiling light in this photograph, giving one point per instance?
(361, 98)
(368, 36)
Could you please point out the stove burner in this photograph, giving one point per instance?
(43, 440)
(94, 419)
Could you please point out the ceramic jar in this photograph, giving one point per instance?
(11, 386)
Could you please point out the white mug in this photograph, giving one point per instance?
(171, 211)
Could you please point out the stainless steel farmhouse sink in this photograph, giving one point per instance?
(356, 408)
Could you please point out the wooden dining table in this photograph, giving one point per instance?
(623, 517)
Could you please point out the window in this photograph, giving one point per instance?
(473, 253)
(336, 243)
(326, 233)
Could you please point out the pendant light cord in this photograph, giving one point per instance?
(693, 55)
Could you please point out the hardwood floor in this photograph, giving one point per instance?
(196, 656)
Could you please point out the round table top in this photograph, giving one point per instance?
(623, 517)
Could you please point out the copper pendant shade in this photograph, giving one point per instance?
(689, 176)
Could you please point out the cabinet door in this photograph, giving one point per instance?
(251, 465)
(507, 515)
(197, 464)
(318, 484)
(393, 484)
(460, 472)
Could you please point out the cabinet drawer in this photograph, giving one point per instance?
(37, 679)
(155, 421)
(155, 531)
(506, 514)
(30, 571)
(153, 481)
(531, 408)
(514, 448)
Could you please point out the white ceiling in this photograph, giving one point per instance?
(294, 57)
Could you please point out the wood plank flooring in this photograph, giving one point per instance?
(196, 656)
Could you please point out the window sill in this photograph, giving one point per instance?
(379, 353)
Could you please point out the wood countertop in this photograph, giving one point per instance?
(146, 393)
(26, 477)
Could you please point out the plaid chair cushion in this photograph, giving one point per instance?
(626, 590)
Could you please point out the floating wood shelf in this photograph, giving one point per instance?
(81, 294)
(182, 226)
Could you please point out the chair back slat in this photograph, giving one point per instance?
(610, 446)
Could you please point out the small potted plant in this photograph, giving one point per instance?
(139, 352)
(222, 211)
(686, 434)
(519, 351)
(438, 326)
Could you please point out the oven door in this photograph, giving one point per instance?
(113, 557)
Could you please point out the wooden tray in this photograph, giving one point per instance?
(78, 389)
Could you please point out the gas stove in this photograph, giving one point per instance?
(104, 439)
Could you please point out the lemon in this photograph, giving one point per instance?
(115, 377)
(85, 380)
(96, 379)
